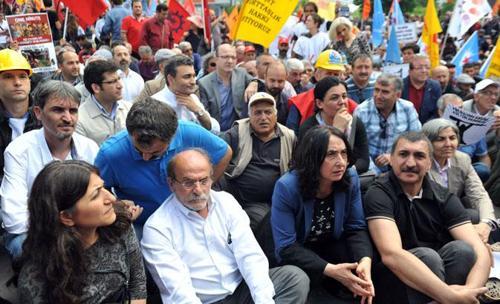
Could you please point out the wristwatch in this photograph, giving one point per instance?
(200, 113)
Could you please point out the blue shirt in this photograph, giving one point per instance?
(381, 132)
(113, 22)
(227, 115)
(478, 149)
(360, 94)
(145, 182)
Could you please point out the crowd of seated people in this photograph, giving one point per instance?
(155, 172)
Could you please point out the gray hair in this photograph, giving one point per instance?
(389, 79)
(184, 45)
(444, 99)
(339, 21)
(145, 49)
(433, 127)
(54, 89)
(294, 64)
(413, 137)
(151, 119)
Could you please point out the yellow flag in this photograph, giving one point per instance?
(494, 68)
(232, 21)
(261, 20)
(430, 33)
(326, 9)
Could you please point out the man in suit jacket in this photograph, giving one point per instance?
(422, 91)
(222, 91)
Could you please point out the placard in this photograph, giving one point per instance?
(400, 70)
(33, 35)
(406, 32)
(473, 127)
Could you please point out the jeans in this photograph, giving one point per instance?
(14, 244)
(451, 264)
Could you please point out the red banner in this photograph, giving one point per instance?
(87, 12)
(177, 19)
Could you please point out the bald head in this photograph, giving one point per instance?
(275, 78)
(442, 75)
(184, 160)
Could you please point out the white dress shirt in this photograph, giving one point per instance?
(132, 84)
(24, 158)
(197, 260)
(168, 97)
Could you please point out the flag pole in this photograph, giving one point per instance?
(65, 23)
(444, 43)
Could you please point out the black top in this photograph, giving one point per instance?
(422, 222)
(256, 183)
(360, 150)
(323, 220)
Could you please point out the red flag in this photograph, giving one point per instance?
(189, 6)
(177, 20)
(87, 12)
(366, 9)
(206, 21)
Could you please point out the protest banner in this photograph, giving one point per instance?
(33, 35)
(261, 20)
(400, 70)
(494, 68)
(406, 32)
(472, 126)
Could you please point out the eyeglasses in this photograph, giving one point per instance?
(383, 128)
(114, 81)
(421, 68)
(189, 184)
(489, 93)
(227, 57)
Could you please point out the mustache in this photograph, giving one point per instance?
(197, 197)
(410, 170)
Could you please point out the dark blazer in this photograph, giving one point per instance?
(432, 92)
(209, 93)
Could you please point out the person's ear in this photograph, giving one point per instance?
(66, 219)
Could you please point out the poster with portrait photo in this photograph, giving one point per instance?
(34, 38)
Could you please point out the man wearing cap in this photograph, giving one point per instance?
(222, 92)
(329, 63)
(464, 86)
(154, 86)
(179, 93)
(249, 53)
(484, 103)
(16, 117)
(262, 152)
(422, 91)
(283, 48)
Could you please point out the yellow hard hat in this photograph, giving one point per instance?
(12, 60)
(331, 60)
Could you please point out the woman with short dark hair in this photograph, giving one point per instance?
(80, 246)
(317, 217)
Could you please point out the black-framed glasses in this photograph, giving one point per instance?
(189, 184)
(383, 128)
(114, 81)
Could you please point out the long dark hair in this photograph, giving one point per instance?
(309, 157)
(54, 247)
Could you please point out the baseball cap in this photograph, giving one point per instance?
(163, 54)
(483, 84)
(331, 60)
(261, 96)
(283, 40)
(465, 79)
(249, 48)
